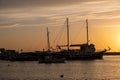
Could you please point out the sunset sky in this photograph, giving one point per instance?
(23, 23)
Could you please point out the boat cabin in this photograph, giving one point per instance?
(85, 49)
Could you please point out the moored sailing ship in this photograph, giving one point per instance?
(86, 51)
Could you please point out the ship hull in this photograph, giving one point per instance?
(75, 56)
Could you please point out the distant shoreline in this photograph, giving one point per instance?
(112, 53)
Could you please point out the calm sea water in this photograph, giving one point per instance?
(106, 69)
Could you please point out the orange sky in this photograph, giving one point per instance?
(23, 23)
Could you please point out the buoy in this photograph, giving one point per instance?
(61, 76)
(8, 65)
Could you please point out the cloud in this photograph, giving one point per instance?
(39, 3)
(53, 12)
(109, 14)
(30, 21)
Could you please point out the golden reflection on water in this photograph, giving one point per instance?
(106, 69)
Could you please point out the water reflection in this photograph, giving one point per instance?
(107, 69)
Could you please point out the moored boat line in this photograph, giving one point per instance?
(85, 52)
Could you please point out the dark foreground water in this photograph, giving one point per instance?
(106, 69)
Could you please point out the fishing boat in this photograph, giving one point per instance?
(50, 58)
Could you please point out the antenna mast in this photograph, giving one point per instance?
(68, 34)
(48, 41)
(87, 31)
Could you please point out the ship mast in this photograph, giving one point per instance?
(48, 41)
(68, 44)
(87, 31)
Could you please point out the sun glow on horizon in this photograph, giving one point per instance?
(23, 24)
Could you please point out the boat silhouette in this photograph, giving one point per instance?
(86, 51)
(49, 56)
